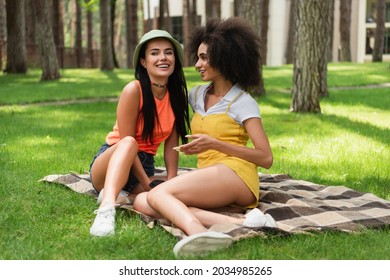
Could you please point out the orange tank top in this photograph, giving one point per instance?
(162, 129)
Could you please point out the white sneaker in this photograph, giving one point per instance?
(202, 243)
(256, 218)
(104, 223)
(122, 198)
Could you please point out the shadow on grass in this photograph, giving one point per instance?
(375, 98)
(365, 129)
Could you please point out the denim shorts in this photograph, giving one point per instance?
(147, 161)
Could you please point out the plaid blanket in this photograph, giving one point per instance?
(297, 206)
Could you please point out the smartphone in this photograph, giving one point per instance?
(155, 183)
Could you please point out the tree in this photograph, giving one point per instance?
(148, 25)
(31, 42)
(345, 30)
(16, 36)
(113, 10)
(186, 29)
(163, 18)
(264, 29)
(106, 52)
(253, 11)
(310, 56)
(3, 31)
(131, 30)
(58, 29)
(291, 33)
(49, 62)
(213, 8)
(331, 27)
(89, 7)
(79, 36)
(377, 54)
(328, 41)
(193, 13)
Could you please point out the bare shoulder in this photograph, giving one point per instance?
(131, 88)
(131, 91)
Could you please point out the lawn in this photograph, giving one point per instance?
(348, 144)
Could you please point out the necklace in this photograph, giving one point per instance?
(158, 85)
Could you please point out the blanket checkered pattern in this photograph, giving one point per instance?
(297, 206)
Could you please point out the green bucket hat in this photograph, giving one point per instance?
(153, 34)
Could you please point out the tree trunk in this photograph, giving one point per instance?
(345, 30)
(377, 54)
(331, 27)
(168, 21)
(72, 23)
(106, 52)
(58, 30)
(264, 29)
(252, 10)
(148, 25)
(90, 36)
(3, 32)
(49, 62)
(312, 27)
(213, 8)
(162, 22)
(79, 36)
(16, 36)
(291, 33)
(31, 42)
(131, 30)
(328, 48)
(113, 9)
(194, 20)
(186, 29)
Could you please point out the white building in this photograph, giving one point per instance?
(362, 27)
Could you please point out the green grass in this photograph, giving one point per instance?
(348, 144)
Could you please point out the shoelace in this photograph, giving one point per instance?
(104, 212)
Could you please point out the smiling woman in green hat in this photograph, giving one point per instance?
(152, 109)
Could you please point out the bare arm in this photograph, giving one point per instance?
(127, 117)
(261, 154)
(171, 157)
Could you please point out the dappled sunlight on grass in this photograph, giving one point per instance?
(331, 159)
(375, 117)
(353, 74)
(348, 144)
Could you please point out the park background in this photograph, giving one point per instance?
(55, 114)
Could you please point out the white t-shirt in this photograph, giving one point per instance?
(243, 108)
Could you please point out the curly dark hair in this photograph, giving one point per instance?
(233, 49)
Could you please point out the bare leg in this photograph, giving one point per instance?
(202, 188)
(111, 169)
(140, 204)
(207, 218)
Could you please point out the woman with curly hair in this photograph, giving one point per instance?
(225, 117)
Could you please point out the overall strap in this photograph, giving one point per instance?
(196, 96)
(234, 99)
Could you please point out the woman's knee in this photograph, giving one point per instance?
(140, 203)
(128, 142)
(154, 197)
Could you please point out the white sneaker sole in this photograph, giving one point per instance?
(100, 233)
(202, 243)
(256, 218)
